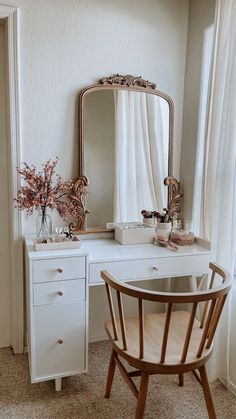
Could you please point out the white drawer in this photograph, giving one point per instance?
(151, 268)
(65, 323)
(58, 269)
(59, 292)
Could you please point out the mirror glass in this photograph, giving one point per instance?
(126, 142)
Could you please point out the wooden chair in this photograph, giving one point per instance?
(174, 342)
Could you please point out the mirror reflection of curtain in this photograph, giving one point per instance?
(141, 154)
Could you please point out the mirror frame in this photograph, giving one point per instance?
(117, 82)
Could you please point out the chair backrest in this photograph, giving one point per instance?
(212, 298)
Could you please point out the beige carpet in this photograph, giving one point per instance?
(82, 396)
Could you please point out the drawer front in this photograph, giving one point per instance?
(151, 268)
(59, 292)
(58, 269)
(60, 336)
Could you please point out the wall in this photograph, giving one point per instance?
(66, 45)
(201, 16)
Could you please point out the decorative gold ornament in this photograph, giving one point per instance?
(174, 192)
(128, 80)
(78, 197)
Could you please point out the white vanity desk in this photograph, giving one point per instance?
(57, 294)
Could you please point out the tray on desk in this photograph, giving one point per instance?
(48, 243)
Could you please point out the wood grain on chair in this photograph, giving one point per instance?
(174, 342)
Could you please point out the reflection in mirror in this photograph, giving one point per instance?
(126, 152)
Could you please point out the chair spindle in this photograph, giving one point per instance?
(206, 328)
(215, 321)
(141, 328)
(189, 332)
(165, 334)
(207, 302)
(111, 307)
(122, 321)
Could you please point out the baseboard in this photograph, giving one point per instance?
(5, 346)
(231, 387)
(100, 338)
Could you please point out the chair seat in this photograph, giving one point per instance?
(153, 334)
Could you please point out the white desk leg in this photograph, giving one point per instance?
(58, 384)
(193, 284)
(168, 284)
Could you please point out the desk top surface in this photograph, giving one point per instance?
(106, 250)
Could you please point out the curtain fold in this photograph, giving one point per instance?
(141, 154)
(218, 221)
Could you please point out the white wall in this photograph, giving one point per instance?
(66, 45)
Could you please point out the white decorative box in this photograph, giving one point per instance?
(134, 233)
(48, 243)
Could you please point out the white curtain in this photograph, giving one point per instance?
(218, 219)
(141, 154)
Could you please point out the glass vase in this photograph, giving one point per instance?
(43, 223)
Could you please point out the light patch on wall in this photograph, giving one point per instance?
(202, 128)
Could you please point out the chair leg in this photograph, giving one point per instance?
(110, 374)
(181, 380)
(142, 395)
(207, 393)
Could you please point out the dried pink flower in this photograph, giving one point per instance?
(46, 189)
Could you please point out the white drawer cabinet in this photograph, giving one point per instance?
(57, 313)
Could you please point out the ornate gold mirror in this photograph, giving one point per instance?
(125, 149)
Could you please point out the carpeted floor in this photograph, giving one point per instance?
(82, 396)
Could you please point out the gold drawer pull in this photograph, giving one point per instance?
(60, 293)
(155, 268)
(60, 341)
(60, 270)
